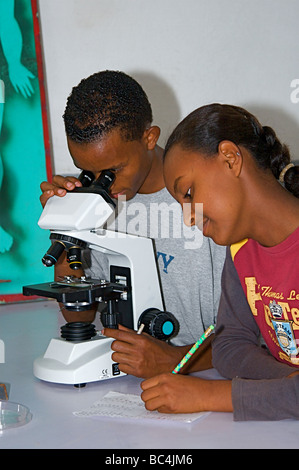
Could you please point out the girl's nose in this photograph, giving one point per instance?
(188, 215)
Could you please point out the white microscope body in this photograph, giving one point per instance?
(132, 290)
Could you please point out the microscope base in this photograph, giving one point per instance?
(77, 363)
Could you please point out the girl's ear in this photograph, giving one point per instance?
(231, 155)
(151, 136)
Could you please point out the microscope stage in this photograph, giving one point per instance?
(77, 292)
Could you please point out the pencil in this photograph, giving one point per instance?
(193, 349)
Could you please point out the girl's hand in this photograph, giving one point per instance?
(175, 393)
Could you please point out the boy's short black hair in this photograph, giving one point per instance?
(105, 101)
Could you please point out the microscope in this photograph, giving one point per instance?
(132, 296)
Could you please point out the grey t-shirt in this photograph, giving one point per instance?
(190, 265)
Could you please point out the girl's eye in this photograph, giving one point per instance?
(188, 194)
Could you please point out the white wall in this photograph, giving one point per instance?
(185, 53)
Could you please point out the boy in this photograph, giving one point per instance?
(108, 122)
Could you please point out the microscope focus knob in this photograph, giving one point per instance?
(159, 324)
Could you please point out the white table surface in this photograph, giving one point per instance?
(26, 329)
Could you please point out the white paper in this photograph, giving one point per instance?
(123, 405)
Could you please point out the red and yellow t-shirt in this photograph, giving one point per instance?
(270, 280)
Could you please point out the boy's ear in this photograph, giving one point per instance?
(151, 136)
(231, 155)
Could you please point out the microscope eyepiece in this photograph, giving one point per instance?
(86, 177)
(105, 180)
(100, 186)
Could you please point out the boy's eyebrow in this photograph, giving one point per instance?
(175, 186)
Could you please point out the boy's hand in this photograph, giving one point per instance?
(142, 355)
(59, 186)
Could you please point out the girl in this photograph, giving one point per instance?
(221, 156)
